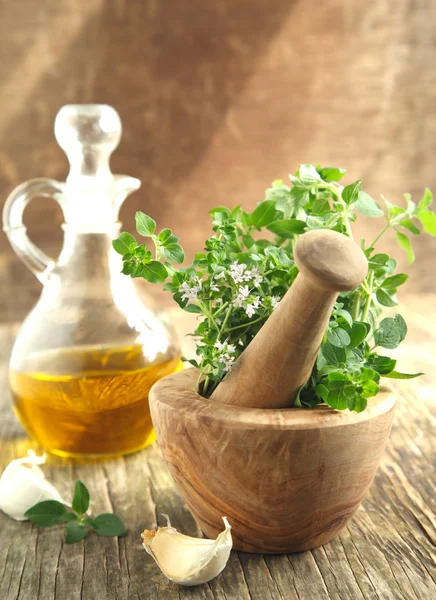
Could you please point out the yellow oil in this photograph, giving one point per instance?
(89, 402)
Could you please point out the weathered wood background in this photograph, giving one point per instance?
(386, 552)
(218, 99)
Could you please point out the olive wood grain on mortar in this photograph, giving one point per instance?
(279, 360)
(287, 479)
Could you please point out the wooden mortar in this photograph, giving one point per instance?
(287, 479)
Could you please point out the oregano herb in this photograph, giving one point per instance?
(239, 278)
(52, 512)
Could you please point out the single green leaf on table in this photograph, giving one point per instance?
(109, 525)
(406, 244)
(368, 206)
(47, 513)
(81, 498)
(145, 225)
(123, 243)
(75, 532)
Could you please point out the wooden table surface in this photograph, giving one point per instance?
(386, 551)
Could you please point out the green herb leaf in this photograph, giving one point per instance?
(331, 355)
(109, 525)
(287, 228)
(385, 298)
(425, 201)
(308, 174)
(357, 402)
(338, 337)
(155, 272)
(81, 498)
(350, 193)
(405, 243)
(391, 332)
(398, 375)
(368, 206)
(75, 532)
(428, 220)
(331, 173)
(357, 334)
(145, 225)
(123, 243)
(164, 236)
(173, 253)
(46, 513)
(410, 226)
(265, 213)
(394, 281)
(381, 364)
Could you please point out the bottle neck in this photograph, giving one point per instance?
(88, 256)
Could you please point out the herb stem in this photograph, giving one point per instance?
(369, 298)
(356, 307)
(245, 324)
(226, 318)
(382, 232)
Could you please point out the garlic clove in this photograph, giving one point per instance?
(22, 485)
(187, 560)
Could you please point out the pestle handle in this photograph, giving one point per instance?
(279, 360)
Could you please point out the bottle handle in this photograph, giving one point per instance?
(34, 258)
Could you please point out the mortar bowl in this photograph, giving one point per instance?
(287, 479)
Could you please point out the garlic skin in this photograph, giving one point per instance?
(22, 485)
(186, 560)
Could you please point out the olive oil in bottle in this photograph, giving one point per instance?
(89, 401)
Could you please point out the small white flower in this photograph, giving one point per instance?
(231, 349)
(220, 275)
(190, 293)
(275, 301)
(243, 294)
(214, 287)
(228, 362)
(237, 272)
(219, 345)
(254, 275)
(250, 310)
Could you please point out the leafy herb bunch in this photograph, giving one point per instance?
(240, 277)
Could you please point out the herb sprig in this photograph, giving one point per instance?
(240, 277)
(52, 512)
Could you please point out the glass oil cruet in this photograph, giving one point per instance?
(90, 350)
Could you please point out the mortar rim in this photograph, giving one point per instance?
(177, 392)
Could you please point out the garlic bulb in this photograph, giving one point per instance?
(187, 560)
(23, 484)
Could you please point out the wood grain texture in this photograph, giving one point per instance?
(279, 360)
(387, 549)
(288, 480)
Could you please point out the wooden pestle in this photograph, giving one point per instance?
(279, 360)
